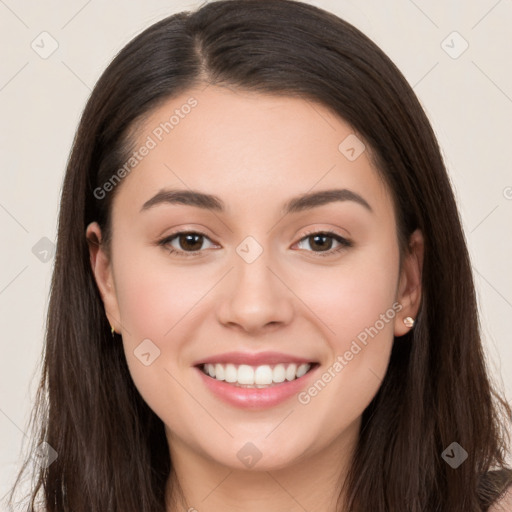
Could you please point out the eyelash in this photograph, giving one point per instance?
(344, 243)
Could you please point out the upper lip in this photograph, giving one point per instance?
(252, 359)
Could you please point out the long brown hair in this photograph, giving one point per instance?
(111, 447)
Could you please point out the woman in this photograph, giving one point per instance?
(262, 297)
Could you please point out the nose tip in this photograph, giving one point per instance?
(255, 299)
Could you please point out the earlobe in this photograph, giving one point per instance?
(410, 288)
(102, 271)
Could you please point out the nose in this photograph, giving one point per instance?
(255, 298)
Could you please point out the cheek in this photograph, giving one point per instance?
(357, 303)
(156, 296)
(352, 296)
(156, 302)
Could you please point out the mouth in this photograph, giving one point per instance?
(256, 377)
(255, 380)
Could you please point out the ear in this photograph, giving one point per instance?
(102, 270)
(409, 286)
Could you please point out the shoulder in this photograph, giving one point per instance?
(504, 504)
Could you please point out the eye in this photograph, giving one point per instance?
(323, 240)
(190, 243)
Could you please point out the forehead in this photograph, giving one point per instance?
(253, 150)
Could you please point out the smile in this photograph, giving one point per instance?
(262, 376)
(255, 381)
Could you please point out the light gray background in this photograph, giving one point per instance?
(468, 100)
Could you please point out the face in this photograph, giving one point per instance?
(258, 284)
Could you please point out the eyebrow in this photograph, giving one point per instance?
(300, 203)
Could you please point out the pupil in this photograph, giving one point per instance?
(191, 245)
(323, 237)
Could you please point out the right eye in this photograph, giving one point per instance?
(191, 243)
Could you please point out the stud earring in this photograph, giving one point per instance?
(408, 321)
(112, 331)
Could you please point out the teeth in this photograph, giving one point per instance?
(263, 375)
(279, 373)
(291, 372)
(219, 372)
(256, 376)
(302, 370)
(245, 374)
(231, 373)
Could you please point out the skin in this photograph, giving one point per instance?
(255, 152)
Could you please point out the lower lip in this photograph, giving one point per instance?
(255, 398)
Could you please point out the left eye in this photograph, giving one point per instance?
(188, 242)
(324, 241)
